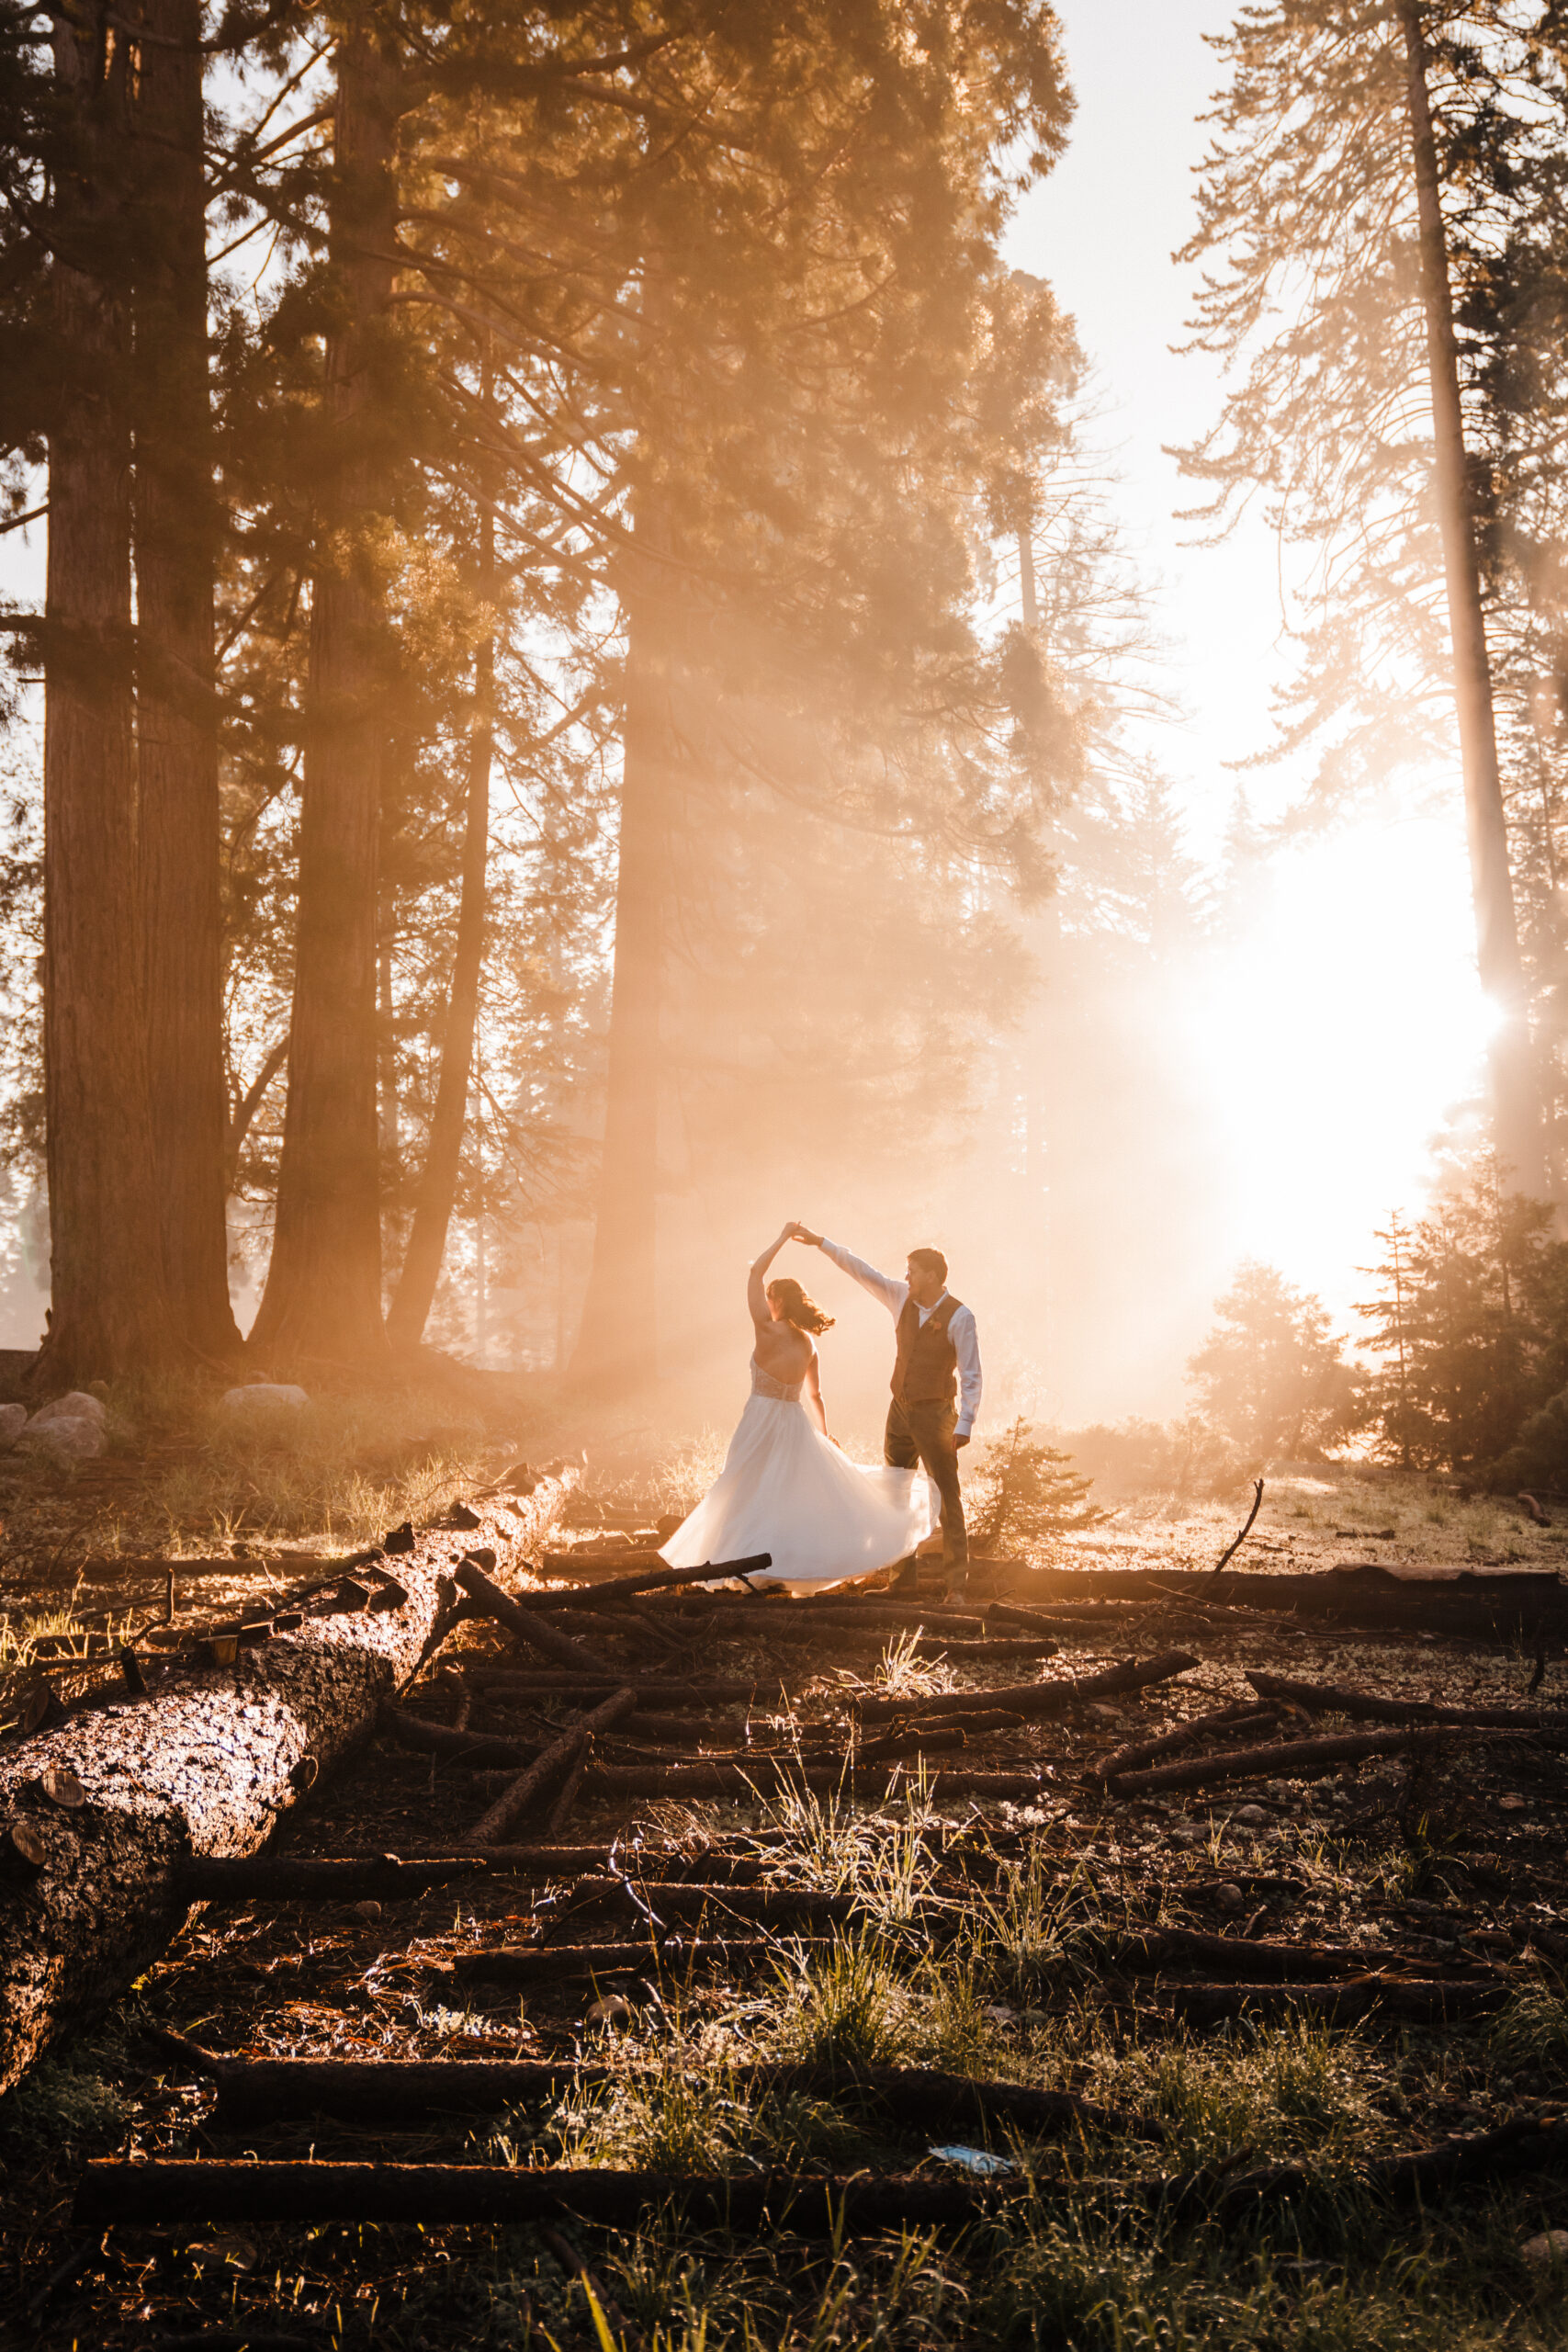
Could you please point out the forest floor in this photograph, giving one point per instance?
(989, 1936)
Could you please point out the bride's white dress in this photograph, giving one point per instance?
(785, 1488)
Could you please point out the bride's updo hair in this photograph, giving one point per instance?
(796, 1308)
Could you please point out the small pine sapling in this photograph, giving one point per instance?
(1027, 1489)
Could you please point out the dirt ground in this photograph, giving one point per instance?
(988, 1937)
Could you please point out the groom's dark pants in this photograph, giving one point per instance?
(924, 1435)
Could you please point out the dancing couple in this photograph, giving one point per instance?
(787, 1488)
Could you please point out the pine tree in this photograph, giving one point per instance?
(1345, 150)
(1272, 1374)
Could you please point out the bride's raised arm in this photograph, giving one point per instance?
(756, 1295)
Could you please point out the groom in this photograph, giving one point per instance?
(936, 1384)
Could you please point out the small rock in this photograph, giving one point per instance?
(1512, 1804)
(268, 1395)
(1098, 1714)
(1252, 1817)
(999, 2013)
(1548, 2252)
(1230, 1897)
(368, 1912)
(1189, 1833)
(615, 2009)
(230, 2248)
(13, 1422)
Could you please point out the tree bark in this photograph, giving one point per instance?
(323, 1289)
(1516, 1093)
(177, 528)
(438, 1187)
(617, 1345)
(108, 1315)
(204, 1766)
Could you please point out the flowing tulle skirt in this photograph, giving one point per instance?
(785, 1489)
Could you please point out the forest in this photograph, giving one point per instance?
(581, 675)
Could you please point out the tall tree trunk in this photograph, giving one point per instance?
(616, 1347)
(176, 538)
(108, 1315)
(324, 1288)
(1516, 1094)
(438, 1186)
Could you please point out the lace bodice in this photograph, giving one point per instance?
(781, 1392)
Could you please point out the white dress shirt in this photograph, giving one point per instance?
(961, 1330)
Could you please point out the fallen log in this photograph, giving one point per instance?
(477, 1750)
(1160, 1948)
(552, 1765)
(519, 1966)
(652, 1577)
(772, 1774)
(1235, 1720)
(525, 1625)
(1036, 1699)
(505, 1682)
(403, 2095)
(1525, 2144)
(1406, 2000)
(1465, 1602)
(288, 1878)
(205, 1765)
(1290, 1760)
(687, 1898)
(432, 2195)
(1335, 1698)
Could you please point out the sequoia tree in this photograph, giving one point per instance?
(176, 531)
(324, 1288)
(108, 1314)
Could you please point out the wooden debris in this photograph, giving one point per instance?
(1187, 1947)
(479, 1751)
(1233, 1720)
(518, 1966)
(1035, 1699)
(550, 1766)
(524, 1624)
(652, 1577)
(1524, 2144)
(288, 1878)
(1287, 1760)
(820, 2205)
(1335, 1698)
(1404, 1999)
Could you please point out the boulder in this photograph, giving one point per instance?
(64, 1438)
(76, 1405)
(265, 1396)
(13, 1422)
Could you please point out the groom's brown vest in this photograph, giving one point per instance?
(925, 1371)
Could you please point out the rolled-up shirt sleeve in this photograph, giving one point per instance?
(885, 1288)
(966, 1347)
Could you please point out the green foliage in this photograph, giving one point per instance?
(1470, 1316)
(1271, 1375)
(1026, 1490)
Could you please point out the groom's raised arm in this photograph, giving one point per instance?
(887, 1289)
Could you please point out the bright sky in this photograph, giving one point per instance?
(1347, 1019)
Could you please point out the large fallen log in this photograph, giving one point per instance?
(1525, 2144)
(1402, 1999)
(203, 1765)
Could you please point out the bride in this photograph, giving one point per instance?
(785, 1486)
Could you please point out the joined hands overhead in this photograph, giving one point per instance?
(798, 1232)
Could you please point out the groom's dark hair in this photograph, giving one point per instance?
(932, 1261)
